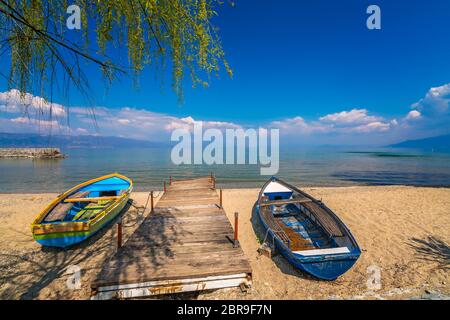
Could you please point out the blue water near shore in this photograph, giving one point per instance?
(149, 167)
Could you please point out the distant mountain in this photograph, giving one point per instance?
(25, 140)
(436, 143)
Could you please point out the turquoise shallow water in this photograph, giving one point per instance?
(301, 166)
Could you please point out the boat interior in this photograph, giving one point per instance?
(88, 201)
(301, 223)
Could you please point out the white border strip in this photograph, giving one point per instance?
(151, 288)
(322, 251)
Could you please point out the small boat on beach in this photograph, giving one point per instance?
(83, 210)
(306, 232)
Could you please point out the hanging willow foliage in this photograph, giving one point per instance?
(34, 32)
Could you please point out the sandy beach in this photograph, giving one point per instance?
(403, 233)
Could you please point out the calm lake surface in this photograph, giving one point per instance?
(149, 167)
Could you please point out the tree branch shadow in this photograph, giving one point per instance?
(146, 251)
(432, 249)
(24, 274)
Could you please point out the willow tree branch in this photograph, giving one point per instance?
(19, 18)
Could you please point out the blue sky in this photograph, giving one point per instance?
(309, 60)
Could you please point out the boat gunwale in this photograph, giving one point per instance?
(39, 228)
(354, 252)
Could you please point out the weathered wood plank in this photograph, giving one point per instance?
(137, 271)
(186, 236)
(286, 201)
(324, 219)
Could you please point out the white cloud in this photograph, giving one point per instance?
(298, 125)
(89, 111)
(413, 115)
(31, 121)
(354, 116)
(376, 126)
(31, 125)
(340, 127)
(433, 111)
(344, 122)
(436, 101)
(14, 102)
(81, 131)
(144, 124)
(20, 120)
(123, 121)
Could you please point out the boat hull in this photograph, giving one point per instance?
(61, 240)
(325, 268)
(62, 233)
(70, 238)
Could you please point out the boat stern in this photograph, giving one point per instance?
(329, 270)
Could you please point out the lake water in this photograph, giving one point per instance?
(301, 166)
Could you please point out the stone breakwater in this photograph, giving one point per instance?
(34, 153)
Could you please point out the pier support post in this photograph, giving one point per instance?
(119, 234)
(214, 183)
(170, 180)
(211, 176)
(220, 197)
(236, 229)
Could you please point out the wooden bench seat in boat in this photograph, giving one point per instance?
(91, 210)
(285, 201)
(80, 196)
(327, 222)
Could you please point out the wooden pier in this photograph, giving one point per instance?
(185, 244)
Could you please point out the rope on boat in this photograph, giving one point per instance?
(140, 213)
(265, 238)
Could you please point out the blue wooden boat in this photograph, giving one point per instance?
(306, 232)
(81, 211)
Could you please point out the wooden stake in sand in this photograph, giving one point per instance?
(151, 201)
(236, 227)
(119, 234)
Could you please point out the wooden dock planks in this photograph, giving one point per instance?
(183, 245)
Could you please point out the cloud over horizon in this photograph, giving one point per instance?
(28, 113)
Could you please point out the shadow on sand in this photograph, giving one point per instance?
(278, 259)
(148, 249)
(25, 273)
(432, 249)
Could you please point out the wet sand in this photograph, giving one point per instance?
(404, 234)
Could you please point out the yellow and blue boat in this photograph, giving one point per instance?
(81, 211)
